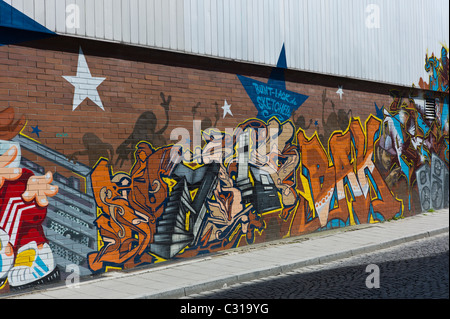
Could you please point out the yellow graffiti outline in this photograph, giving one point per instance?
(85, 182)
(36, 141)
(187, 221)
(307, 193)
(294, 212)
(236, 153)
(257, 231)
(170, 183)
(159, 259)
(3, 285)
(349, 200)
(24, 135)
(112, 268)
(100, 242)
(293, 142)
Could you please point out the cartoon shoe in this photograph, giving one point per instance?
(32, 264)
(6, 255)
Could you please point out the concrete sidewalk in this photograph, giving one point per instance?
(178, 279)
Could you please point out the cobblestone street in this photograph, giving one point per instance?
(419, 269)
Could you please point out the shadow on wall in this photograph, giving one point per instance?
(267, 179)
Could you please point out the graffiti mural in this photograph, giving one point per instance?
(264, 179)
(102, 201)
(166, 207)
(438, 72)
(46, 219)
(412, 142)
(25, 255)
(340, 185)
(129, 204)
(171, 205)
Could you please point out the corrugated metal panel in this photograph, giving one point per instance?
(325, 36)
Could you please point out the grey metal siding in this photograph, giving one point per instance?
(324, 36)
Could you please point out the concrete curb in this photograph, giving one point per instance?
(284, 268)
(282, 256)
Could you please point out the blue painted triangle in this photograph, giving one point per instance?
(282, 63)
(277, 75)
(276, 79)
(379, 112)
(16, 27)
(12, 18)
(272, 99)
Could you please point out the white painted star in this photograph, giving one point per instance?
(85, 85)
(340, 92)
(226, 109)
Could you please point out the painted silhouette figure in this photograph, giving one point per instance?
(300, 123)
(335, 122)
(144, 130)
(206, 122)
(95, 148)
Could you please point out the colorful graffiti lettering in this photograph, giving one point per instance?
(342, 186)
(204, 205)
(228, 192)
(130, 204)
(438, 69)
(166, 207)
(409, 138)
(265, 178)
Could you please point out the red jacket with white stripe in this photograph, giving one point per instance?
(21, 220)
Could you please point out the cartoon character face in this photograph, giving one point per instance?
(10, 154)
(6, 255)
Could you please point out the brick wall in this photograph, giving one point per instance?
(120, 203)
